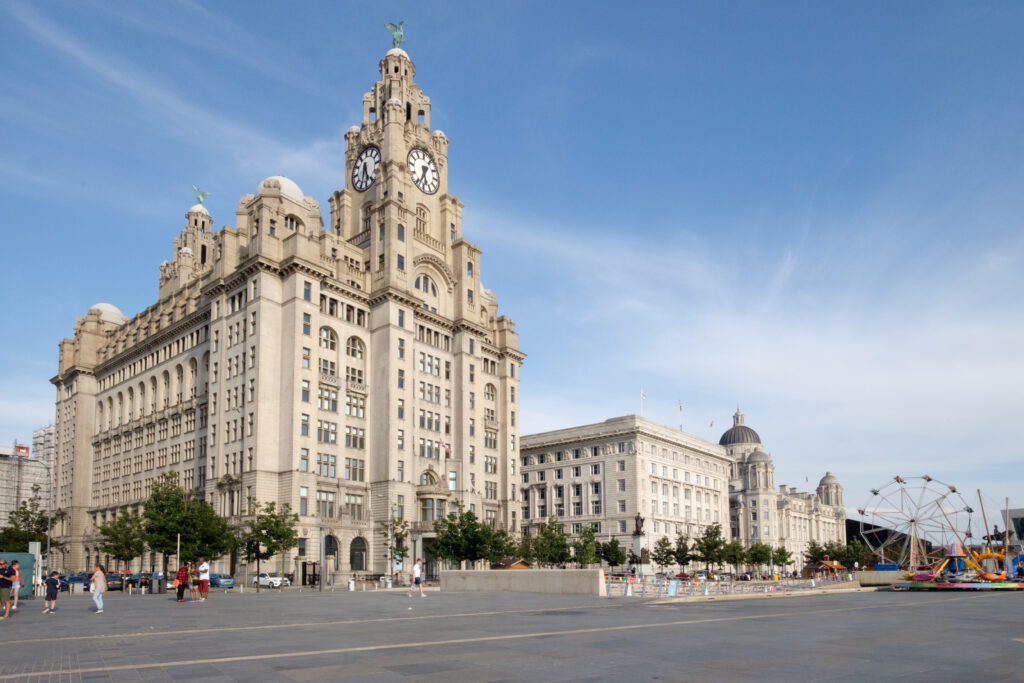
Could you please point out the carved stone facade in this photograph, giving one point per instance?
(605, 473)
(356, 372)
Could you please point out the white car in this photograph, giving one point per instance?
(266, 580)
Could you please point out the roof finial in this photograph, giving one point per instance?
(200, 195)
(397, 33)
(737, 419)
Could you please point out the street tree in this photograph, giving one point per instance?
(461, 537)
(612, 553)
(735, 554)
(551, 545)
(664, 554)
(708, 546)
(815, 552)
(396, 531)
(124, 539)
(759, 554)
(268, 532)
(164, 517)
(683, 551)
(526, 549)
(585, 547)
(500, 544)
(782, 557)
(26, 524)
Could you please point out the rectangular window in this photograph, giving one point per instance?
(304, 425)
(401, 379)
(400, 506)
(307, 291)
(306, 323)
(401, 318)
(595, 469)
(401, 468)
(401, 445)
(453, 481)
(401, 232)
(401, 348)
(303, 500)
(305, 391)
(469, 295)
(401, 262)
(305, 358)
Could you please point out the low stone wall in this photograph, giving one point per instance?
(873, 578)
(557, 581)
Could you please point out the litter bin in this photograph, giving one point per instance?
(157, 586)
(351, 584)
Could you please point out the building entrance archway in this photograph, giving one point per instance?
(357, 554)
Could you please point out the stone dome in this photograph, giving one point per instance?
(739, 433)
(199, 208)
(285, 186)
(829, 478)
(108, 313)
(397, 52)
(758, 455)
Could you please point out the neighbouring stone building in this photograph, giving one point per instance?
(351, 365)
(604, 474)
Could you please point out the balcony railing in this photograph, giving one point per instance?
(328, 378)
(357, 387)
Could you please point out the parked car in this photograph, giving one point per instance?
(81, 579)
(221, 581)
(271, 580)
(137, 580)
(115, 582)
(64, 585)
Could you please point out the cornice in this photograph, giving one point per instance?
(155, 341)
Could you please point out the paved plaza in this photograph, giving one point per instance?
(387, 636)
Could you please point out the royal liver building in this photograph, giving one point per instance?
(350, 365)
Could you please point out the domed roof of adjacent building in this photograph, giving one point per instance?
(397, 51)
(829, 478)
(199, 208)
(739, 432)
(108, 313)
(759, 455)
(286, 186)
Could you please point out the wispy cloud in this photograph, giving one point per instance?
(182, 118)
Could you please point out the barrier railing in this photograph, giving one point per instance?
(641, 587)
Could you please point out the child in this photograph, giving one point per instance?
(52, 588)
(16, 584)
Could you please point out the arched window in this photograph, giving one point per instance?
(355, 348)
(428, 479)
(357, 554)
(490, 392)
(426, 285)
(331, 549)
(328, 339)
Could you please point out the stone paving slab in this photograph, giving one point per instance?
(469, 637)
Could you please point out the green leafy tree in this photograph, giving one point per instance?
(526, 548)
(164, 516)
(815, 552)
(26, 524)
(664, 554)
(207, 534)
(708, 546)
(856, 552)
(585, 546)
(268, 533)
(735, 554)
(612, 553)
(683, 551)
(500, 544)
(124, 539)
(461, 537)
(396, 531)
(551, 545)
(782, 557)
(759, 554)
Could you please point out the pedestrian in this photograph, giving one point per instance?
(204, 579)
(181, 581)
(193, 582)
(15, 584)
(417, 577)
(52, 589)
(98, 585)
(6, 578)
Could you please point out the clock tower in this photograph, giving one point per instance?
(444, 370)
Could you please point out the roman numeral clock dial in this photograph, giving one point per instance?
(364, 171)
(423, 171)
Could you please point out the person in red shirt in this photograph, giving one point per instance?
(182, 580)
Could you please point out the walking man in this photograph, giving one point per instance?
(204, 579)
(7, 575)
(417, 577)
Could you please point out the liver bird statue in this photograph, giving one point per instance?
(397, 33)
(200, 195)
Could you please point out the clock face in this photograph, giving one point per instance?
(364, 171)
(424, 171)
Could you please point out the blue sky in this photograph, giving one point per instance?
(810, 209)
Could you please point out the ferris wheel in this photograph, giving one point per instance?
(911, 520)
